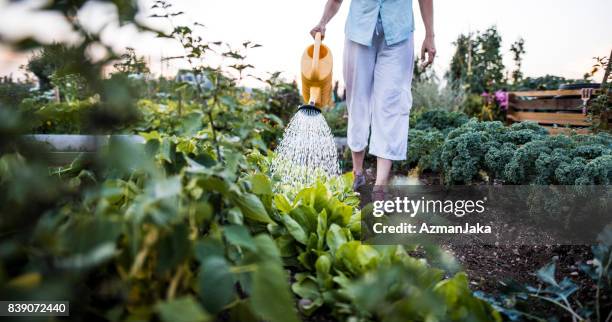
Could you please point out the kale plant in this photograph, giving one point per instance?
(440, 120)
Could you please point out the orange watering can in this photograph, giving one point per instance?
(317, 64)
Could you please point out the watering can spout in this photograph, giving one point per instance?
(317, 65)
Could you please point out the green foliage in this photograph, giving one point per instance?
(52, 117)
(424, 149)
(136, 231)
(601, 105)
(518, 50)
(478, 63)
(71, 87)
(472, 105)
(157, 225)
(355, 281)
(131, 63)
(523, 154)
(55, 59)
(12, 93)
(281, 98)
(428, 94)
(337, 119)
(440, 120)
(547, 82)
(188, 226)
(427, 135)
(560, 160)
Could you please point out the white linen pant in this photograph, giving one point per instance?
(378, 95)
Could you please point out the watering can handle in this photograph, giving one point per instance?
(315, 57)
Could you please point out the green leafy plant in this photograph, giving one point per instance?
(318, 235)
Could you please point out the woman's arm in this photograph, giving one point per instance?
(331, 8)
(429, 46)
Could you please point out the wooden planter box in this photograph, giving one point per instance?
(560, 111)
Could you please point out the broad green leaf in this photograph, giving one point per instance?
(295, 229)
(266, 249)
(208, 247)
(186, 146)
(215, 184)
(306, 288)
(341, 213)
(461, 304)
(251, 207)
(321, 197)
(261, 184)
(453, 288)
(241, 312)
(323, 267)
(184, 309)
(270, 296)
(239, 236)
(153, 135)
(89, 241)
(234, 216)
(357, 258)
(167, 187)
(286, 246)
(216, 284)
(165, 150)
(335, 238)
(321, 228)
(306, 216)
(173, 248)
(306, 196)
(281, 203)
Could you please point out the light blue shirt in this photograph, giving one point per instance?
(396, 16)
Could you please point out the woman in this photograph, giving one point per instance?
(378, 66)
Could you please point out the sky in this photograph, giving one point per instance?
(562, 36)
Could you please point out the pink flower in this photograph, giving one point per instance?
(502, 99)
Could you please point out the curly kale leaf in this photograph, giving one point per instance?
(591, 151)
(440, 120)
(497, 157)
(495, 130)
(567, 173)
(521, 133)
(424, 149)
(521, 167)
(597, 171)
(463, 156)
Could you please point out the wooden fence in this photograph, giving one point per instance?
(560, 111)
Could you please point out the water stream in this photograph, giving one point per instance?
(307, 151)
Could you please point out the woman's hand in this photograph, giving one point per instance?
(318, 28)
(331, 8)
(429, 48)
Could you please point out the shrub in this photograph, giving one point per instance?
(12, 93)
(428, 94)
(440, 120)
(424, 149)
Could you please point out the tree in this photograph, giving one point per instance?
(55, 59)
(518, 50)
(131, 63)
(477, 63)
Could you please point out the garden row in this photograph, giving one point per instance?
(190, 227)
(467, 151)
